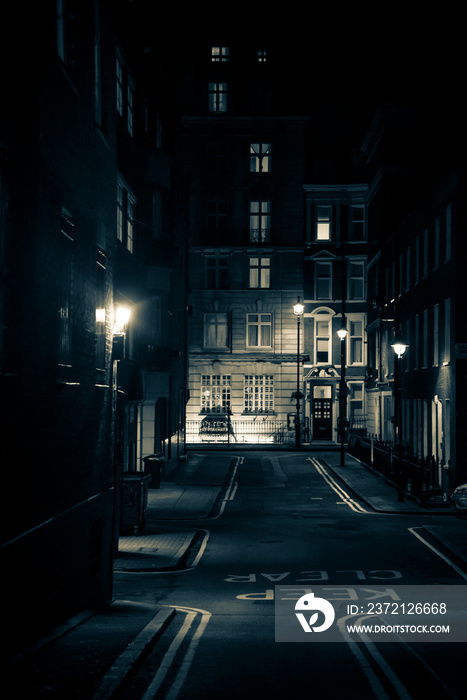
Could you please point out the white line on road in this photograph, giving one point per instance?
(436, 551)
(380, 693)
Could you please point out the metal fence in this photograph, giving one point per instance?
(428, 479)
(220, 430)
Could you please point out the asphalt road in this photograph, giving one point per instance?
(287, 528)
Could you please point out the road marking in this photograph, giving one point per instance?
(343, 495)
(169, 657)
(436, 551)
(231, 489)
(380, 693)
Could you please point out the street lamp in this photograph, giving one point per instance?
(399, 348)
(342, 333)
(298, 310)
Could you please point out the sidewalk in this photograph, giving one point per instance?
(91, 655)
(447, 533)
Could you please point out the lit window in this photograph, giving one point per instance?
(215, 393)
(261, 56)
(259, 394)
(259, 330)
(260, 222)
(323, 280)
(260, 157)
(322, 341)
(260, 273)
(356, 342)
(323, 223)
(220, 54)
(218, 97)
(215, 331)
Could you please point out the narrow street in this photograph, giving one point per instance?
(288, 521)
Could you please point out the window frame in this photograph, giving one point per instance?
(259, 325)
(220, 323)
(258, 394)
(263, 272)
(260, 159)
(261, 232)
(220, 402)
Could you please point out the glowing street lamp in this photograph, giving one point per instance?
(298, 310)
(399, 348)
(342, 333)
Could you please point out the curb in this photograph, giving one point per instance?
(130, 660)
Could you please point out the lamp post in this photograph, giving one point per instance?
(342, 333)
(298, 310)
(399, 348)
(121, 318)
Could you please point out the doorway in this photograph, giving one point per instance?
(322, 412)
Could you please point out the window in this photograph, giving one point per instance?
(436, 335)
(355, 403)
(119, 98)
(261, 56)
(125, 91)
(218, 97)
(130, 106)
(323, 280)
(260, 222)
(407, 269)
(220, 54)
(216, 272)
(66, 33)
(357, 223)
(259, 330)
(216, 331)
(260, 273)
(217, 157)
(356, 342)
(259, 394)
(125, 215)
(260, 158)
(356, 280)
(215, 393)
(448, 232)
(65, 290)
(425, 253)
(323, 223)
(322, 341)
(425, 339)
(437, 243)
(447, 331)
(216, 213)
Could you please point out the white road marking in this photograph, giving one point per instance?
(380, 693)
(436, 551)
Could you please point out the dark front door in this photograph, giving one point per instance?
(322, 419)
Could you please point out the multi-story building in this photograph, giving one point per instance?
(335, 300)
(415, 284)
(84, 234)
(244, 158)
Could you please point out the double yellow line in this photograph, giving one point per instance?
(343, 495)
